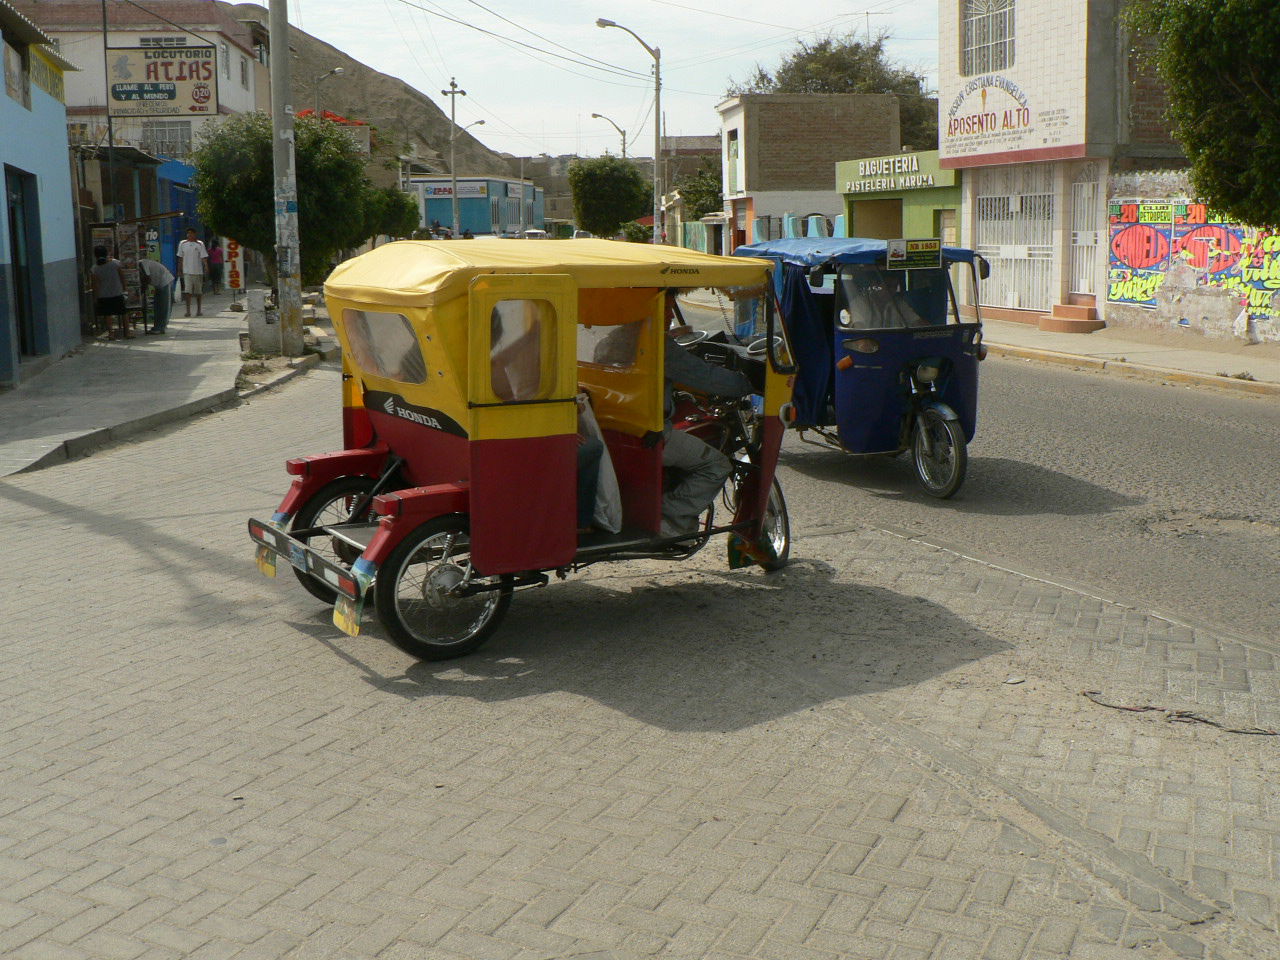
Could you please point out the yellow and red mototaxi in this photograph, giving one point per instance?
(463, 367)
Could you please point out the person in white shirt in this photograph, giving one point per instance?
(193, 262)
(154, 275)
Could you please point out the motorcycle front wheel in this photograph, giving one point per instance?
(939, 452)
(777, 528)
(417, 593)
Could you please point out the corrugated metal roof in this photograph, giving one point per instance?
(12, 22)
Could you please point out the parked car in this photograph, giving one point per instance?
(583, 235)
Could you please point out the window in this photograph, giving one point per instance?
(169, 40)
(224, 52)
(244, 72)
(515, 347)
(384, 345)
(167, 138)
(610, 346)
(986, 36)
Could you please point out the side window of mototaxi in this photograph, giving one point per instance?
(384, 345)
(516, 332)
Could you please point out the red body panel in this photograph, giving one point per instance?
(356, 429)
(417, 505)
(523, 503)
(431, 456)
(639, 471)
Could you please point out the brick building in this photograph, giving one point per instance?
(1042, 104)
(779, 150)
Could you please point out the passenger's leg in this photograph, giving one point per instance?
(590, 450)
(703, 471)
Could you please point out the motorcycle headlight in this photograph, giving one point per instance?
(927, 373)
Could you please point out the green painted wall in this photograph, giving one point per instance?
(914, 178)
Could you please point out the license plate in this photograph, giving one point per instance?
(298, 556)
(346, 615)
(266, 559)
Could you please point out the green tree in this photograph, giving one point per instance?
(236, 187)
(636, 232)
(607, 192)
(845, 64)
(389, 212)
(1219, 60)
(702, 190)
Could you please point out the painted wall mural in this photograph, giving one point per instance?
(1153, 241)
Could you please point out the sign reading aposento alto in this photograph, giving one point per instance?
(162, 81)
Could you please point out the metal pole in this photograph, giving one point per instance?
(453, 93)
(523, 199)
(288, 247)
(110, 192)
(657, 140)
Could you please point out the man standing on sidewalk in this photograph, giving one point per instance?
(160, 280)
(193, 261)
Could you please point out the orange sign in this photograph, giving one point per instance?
(235, 264)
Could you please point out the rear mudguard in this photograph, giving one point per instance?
(312, 473)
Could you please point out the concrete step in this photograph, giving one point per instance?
(1058, 324)
(1074, 311)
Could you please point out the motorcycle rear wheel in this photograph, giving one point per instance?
(939, 453)
(415, 599)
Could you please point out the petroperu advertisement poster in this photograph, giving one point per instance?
(1149, 236)
(162, 81)
(998, 117)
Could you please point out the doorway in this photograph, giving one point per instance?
(25, 261)
(878, 219)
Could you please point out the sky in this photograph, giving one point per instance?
(539, 98)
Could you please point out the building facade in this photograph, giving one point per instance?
(778, 151)
(486, 205)
(900, 195)
(39, 301)
(1040, 104)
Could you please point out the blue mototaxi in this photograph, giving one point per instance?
(885, 361)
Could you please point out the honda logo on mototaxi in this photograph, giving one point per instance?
(398, 411)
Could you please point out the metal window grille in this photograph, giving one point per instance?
(986, 36)
(170, 40)
(1015, 233)
(244, 72)
(167, 138)
(1086, 230)
(225, 53)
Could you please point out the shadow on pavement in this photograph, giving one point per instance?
(993, 486)
(704, 654)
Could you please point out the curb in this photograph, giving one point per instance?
(1139, 370)
(86, 443)
(299, 367)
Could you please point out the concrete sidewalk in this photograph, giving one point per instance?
(107, 391)
(1172, 355)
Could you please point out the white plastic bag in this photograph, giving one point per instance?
(608, 511)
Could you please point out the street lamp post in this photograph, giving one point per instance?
(657, 118)
(335, 72)
(622, 133)
(453, 170)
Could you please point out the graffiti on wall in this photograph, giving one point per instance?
(1150, 238)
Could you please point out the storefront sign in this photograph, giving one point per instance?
(47, 76)
(913, 254)
(893, 173)
(431, 190)
(234, 256)
(162, 81)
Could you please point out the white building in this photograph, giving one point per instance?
(1040, 103)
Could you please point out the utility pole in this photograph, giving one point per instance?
(288, 246)
(110, 198)
(453, 93)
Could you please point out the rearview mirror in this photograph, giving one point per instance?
(817, 275)
(984, 268)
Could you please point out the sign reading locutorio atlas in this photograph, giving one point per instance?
(163, 81)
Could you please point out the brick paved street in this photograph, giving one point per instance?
(648, 760)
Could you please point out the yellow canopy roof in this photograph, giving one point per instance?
(418, 273)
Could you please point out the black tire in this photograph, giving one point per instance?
(412, 593)
(332, 503)
(939, 453)
(777, 527)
